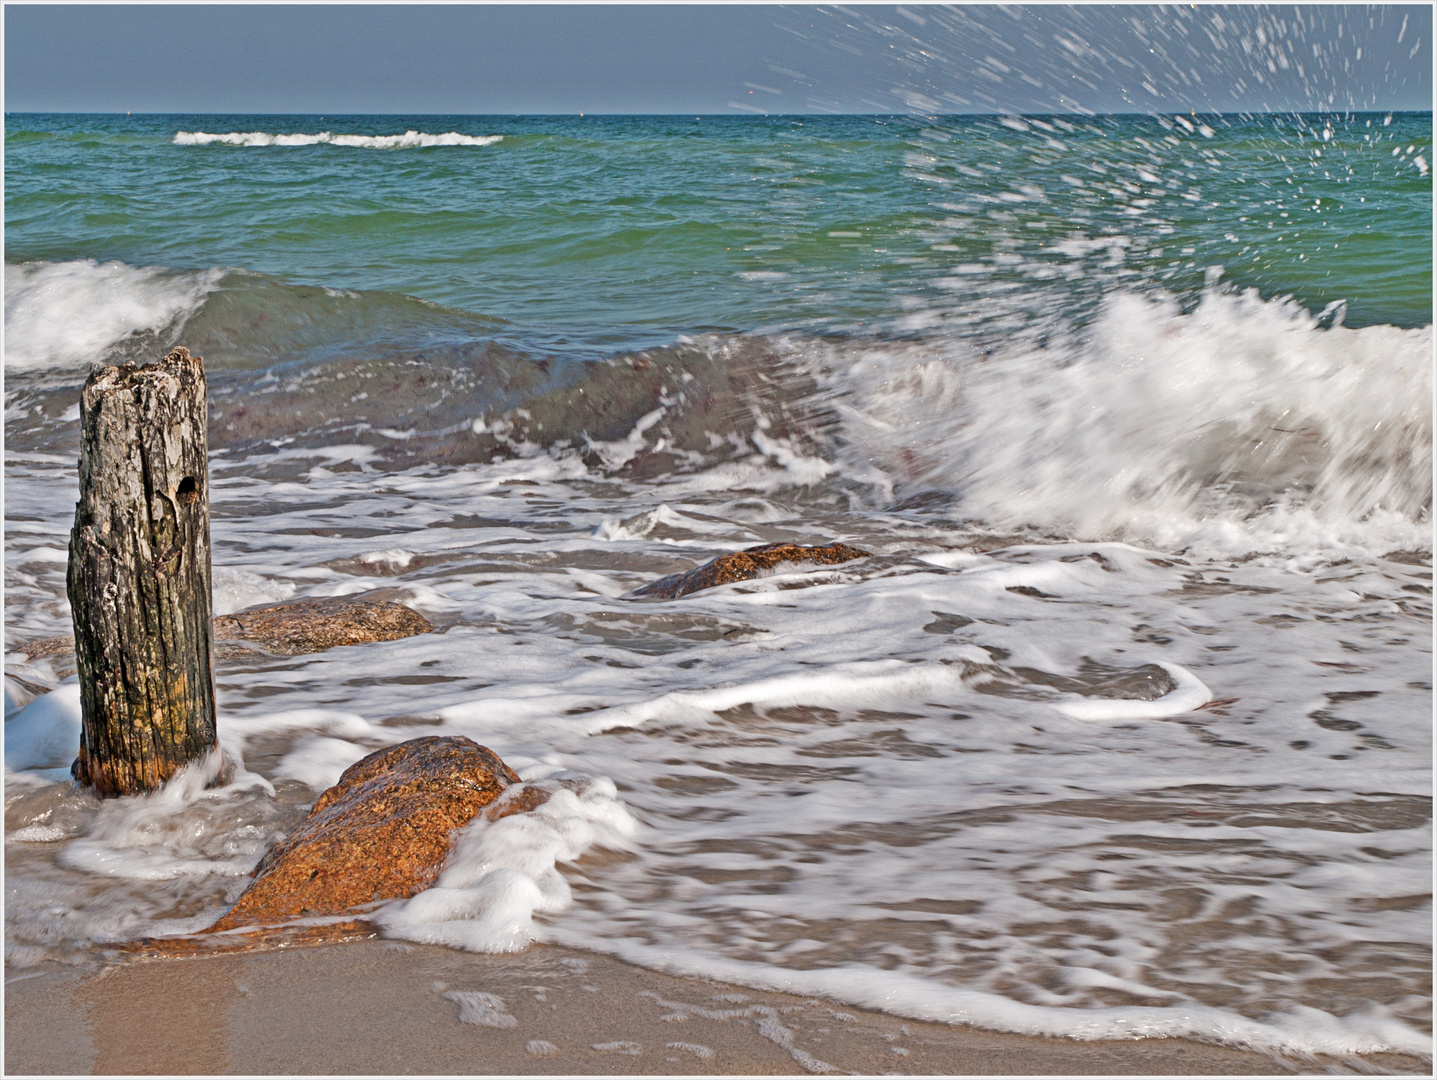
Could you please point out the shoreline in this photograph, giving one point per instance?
(382, 1007)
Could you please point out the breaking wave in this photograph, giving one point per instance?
(66, 314)
(1244, 421)
(1237, 423)
(408, 141)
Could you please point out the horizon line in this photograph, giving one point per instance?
(730, 115)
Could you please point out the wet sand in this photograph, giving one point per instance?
(373, 1007)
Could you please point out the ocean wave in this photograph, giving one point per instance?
(64, 314)
(408, 141)
(1240, 423)
(1243, 421)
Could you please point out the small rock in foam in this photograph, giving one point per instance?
(743, 566)
(381, 833)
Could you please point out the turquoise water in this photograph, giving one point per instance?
(633, 229)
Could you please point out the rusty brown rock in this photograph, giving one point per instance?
(46, 648)
(381, 833)
(59, 652)
(314, 624)
(743, 565)
(290, 628)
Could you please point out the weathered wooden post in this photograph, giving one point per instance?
(139, 576)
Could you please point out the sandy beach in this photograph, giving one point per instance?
(374, 1007)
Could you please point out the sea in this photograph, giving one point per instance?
(1123, 729)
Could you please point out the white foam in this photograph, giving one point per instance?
(1301, 1030)
(1187, 695)
(663, 520)
(63, 315)
(319, 761)
(620, 451)
(236, 589)
(337, 725)
(802, 468)
(1244, 424)
(767, 1024)
(698, 1050)
(622, 1046)
(186, 828)
(44, 553)
(390, 560)
(500, 873)
(409, 140)
(45, 734)
(482, 1009)
(861, 683)
(17, 696)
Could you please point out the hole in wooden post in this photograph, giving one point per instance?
(188, 491)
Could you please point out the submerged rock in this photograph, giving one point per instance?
(743, 565)
(381, 833)
(55, 653)
(312, 625)
(289, 628)
(45, 648)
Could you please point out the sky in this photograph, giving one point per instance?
(694, 58)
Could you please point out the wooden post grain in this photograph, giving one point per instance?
(139, 576)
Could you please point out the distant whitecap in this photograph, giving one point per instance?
(409, 140)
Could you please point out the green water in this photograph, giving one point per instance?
(601, 231)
